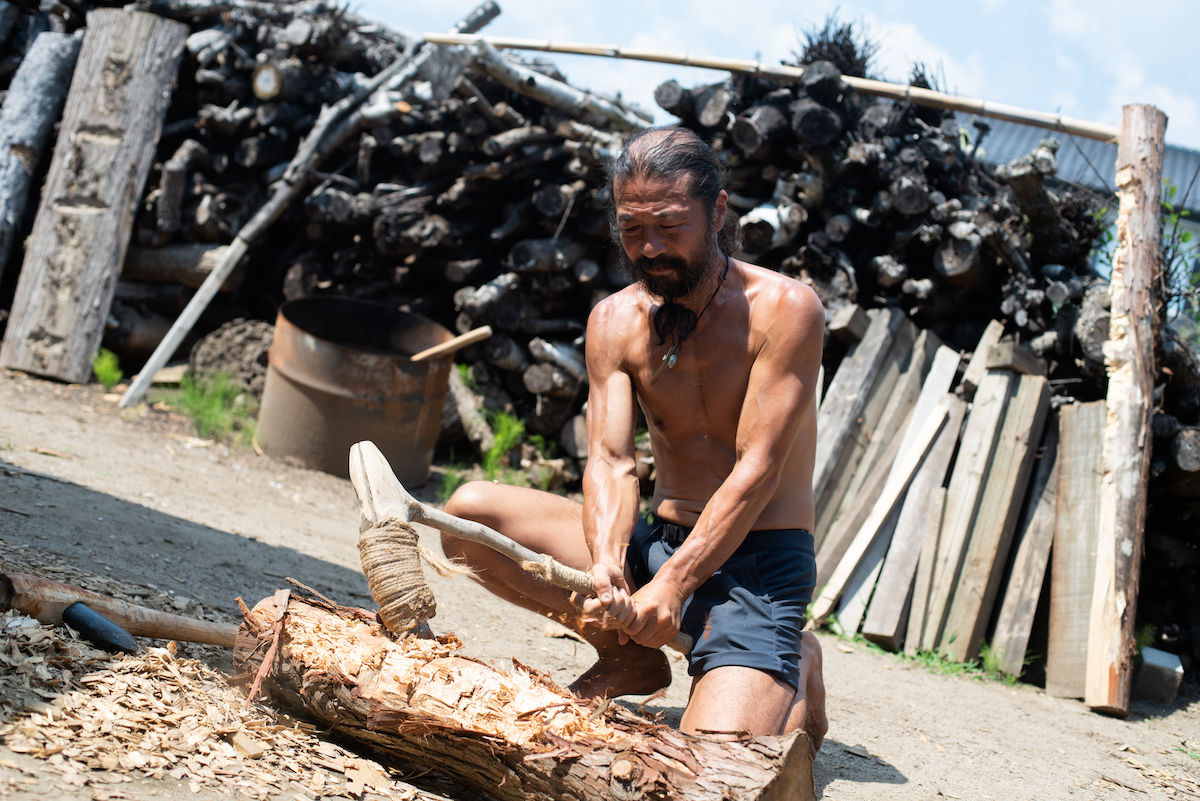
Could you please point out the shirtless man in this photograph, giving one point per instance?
(722, 356)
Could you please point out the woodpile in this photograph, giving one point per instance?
(473, 193)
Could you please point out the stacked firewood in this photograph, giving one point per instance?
(475, 195)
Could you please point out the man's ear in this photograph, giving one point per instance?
(720, 210)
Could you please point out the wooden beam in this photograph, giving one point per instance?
(849, 323)
(977, 366)
(1010, 355)
(784, 72)
(910, 387)
(1129, 360)
(1035, 533)
(894, 599)
(1073, 556)
(853, 466)
(110, 125)
(964, 494)
(931, 529)
(991, 535)
(848, 393)
(880, 512)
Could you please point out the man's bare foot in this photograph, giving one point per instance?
(624, 670)
(808, 710)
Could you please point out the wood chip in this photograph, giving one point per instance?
(48, 452)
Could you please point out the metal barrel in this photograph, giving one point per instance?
(339, 373)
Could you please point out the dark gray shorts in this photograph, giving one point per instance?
(750, 612)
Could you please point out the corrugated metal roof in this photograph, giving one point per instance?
(1081, 161)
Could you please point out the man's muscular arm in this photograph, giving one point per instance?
(779, 394)
(610, 485)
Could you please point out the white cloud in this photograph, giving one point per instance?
(902, 44)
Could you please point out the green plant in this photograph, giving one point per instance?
(218, 407)
(1144, 637)
(507, 432)
(107, 368)
(464, 372)
(546, 449)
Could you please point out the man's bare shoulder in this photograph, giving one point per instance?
(779, 299)
(617, 319)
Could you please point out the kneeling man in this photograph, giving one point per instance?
(722, 357)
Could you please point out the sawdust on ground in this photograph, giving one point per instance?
(132, 504)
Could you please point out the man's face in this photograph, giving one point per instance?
(667, 235)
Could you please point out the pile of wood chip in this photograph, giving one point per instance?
(99, 720)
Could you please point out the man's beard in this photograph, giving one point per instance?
(673, 320)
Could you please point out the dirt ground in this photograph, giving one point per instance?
(132, 497)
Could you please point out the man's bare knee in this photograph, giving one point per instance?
(471, 501)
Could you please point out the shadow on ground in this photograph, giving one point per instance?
(139, 545)
(839, 761)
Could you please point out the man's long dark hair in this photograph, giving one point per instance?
(678, 151)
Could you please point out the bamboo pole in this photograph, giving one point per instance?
(1125, 461)
(784, 72)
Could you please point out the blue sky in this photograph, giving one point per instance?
(1084, 58)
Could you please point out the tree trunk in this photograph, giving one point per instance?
(187, 265)
(31, 107)
(753, 129)
(1129, 359)
(110, 125)
(674, 99)
(512, 736)
(814, 124)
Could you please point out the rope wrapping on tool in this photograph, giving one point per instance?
(391, 560)
(562, 576)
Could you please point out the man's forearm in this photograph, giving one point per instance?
(610, 509)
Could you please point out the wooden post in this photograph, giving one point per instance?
(1073, 555)
(964, 494)
(1034, 536)
(1129, 359)
(110, 125)
(31, 107)
(991, 535)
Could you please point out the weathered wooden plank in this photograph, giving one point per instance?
(991, 535)
(841, 534)
(910, 387)
(1010, 355)
(31, 108)
(880, 512)
(886, 621)
(1035, 534)
(850, 323)
(1073, 556)
(851, 468)
(931, 529)
(110, 125)
(860, 589)
(848, 393)
(977, 366)
(1129, 360)
(964, 493)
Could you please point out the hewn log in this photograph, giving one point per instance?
(31, 108)
(711, 104)
(1129, 359)
(556, 94)
(111, 122)
(188, 265)
(815, 124)
(755, 128)
(510, 735)
(467, 404)
(173, 183)
(674, 99)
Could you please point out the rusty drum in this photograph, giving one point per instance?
(339, 373)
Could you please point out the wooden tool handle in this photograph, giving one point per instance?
(381, 495)
(45, 601)
(451, 345)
